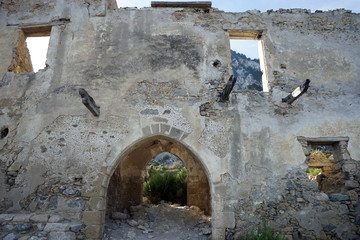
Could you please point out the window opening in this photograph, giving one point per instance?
(247, 58)
(321, 162)
(322, 157)
(31, 51)
(38, 47)
(166, 179)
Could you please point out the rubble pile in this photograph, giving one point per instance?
(163, 221)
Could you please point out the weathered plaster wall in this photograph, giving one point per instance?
(151, 71)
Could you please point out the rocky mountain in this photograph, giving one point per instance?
(167, 159)
(247, 71)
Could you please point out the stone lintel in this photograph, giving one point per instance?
(323, 140)
(198, 4)
(245, 34)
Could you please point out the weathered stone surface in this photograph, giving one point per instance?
(43, 234)
(94, 231)
(56, 227)
(75, 227)
(42, 218)
(11, 236)
(338, 197)
(119, 215)
(132, 223)
(55, 219)
(34, 238)
(62, 236)
(22, 227)
(21, 218)
(351, 184)
(6, 217)
(157, 74)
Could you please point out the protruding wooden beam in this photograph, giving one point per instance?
(200, 4)
(297, 92)
(89, 102)
(224, 96)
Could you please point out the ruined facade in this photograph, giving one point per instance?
(157, 74)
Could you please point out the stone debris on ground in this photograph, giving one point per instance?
(161, 222)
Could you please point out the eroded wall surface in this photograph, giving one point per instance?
(152, 73)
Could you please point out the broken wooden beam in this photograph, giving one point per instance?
(297, 93)
(89, 102)
(199, 4)
(224, 96)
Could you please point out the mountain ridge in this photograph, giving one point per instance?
(247, 72)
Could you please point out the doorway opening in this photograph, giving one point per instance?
(179, 208)
(127, 181)
(166, 180)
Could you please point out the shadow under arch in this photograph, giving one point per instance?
(127, 175)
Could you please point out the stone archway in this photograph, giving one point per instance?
(126, 182)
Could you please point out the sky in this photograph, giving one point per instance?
(249, 48)
(38, 45)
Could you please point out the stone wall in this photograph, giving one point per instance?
(152, 73)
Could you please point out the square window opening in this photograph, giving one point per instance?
(248, 60)
(323, 156)
(31, 51)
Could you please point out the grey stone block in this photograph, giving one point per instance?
(146, 130)
(11, 236)
(164, 128)
(155, 128)
(350, 184)
(39, 218)
(56, 227)
(75, 227)
(338, 197)
(22, 227)
(149, 111)
(6, 217)
(62, 236)
(176, 133)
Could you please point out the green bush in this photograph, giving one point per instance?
(165, 186)
(264, 232)
(314, 171)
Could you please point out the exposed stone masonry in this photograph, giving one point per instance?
(157, 74)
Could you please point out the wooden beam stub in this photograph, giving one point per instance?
(199, 4)
(224, 96)
(89, 102)
(296, 93)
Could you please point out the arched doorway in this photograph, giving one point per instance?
(126, 182)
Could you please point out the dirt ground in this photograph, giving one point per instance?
(160, 222)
